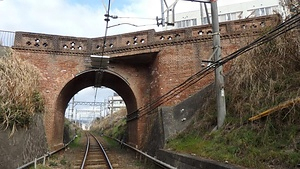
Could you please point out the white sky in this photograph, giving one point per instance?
(85, 18)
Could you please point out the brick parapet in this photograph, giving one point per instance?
(136, 41)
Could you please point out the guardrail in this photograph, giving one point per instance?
(34, 162)
(7, 38)
(158, 162)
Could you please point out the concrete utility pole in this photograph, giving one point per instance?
(162, 13)
(219, 78)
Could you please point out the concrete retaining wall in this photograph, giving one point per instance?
(167, 122)
(24, 145)
(177, 118)
(184, 161)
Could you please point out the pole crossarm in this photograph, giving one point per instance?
(89, 103)
(198, 1)
(87, 111)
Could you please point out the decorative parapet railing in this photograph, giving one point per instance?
(139, 40)
(7, 38)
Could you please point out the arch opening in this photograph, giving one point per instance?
(87, 79)
(93, 103)
(91, 78)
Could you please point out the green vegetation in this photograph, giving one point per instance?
(53, 163)
(76, 142)
(19, 95)
(70, 130)
(118, 129)
(111, 143)
(63, 161)
(40, 166)
(259, 80)
(114, 125)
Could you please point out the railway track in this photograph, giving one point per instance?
(94, 156)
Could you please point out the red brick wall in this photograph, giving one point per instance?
(179, 56)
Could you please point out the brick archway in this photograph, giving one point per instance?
(89, 78)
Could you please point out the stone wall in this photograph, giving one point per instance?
(24, 146)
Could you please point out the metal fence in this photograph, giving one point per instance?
(35, 161)
(7, 38)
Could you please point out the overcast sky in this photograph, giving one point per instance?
(85, 18)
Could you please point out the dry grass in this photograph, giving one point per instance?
(260, 80)
(266, 76)
(19, 96)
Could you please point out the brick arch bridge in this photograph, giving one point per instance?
(143, 66)
(98, 78)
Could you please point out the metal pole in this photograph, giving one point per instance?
(35, 161)
(219, 78)
(44, 160)
(207, 15)
(162, 13)
(201, 14)
(73, 99)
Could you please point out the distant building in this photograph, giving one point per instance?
(115, 103)
(231, 12)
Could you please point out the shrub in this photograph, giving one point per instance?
(19, 95)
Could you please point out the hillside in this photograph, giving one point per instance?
(264, 80)
(113, 125)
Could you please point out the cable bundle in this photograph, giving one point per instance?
(284, 27)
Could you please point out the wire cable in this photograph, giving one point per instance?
(128, 17)
(105, 34)
(284, 27)
(130, 25)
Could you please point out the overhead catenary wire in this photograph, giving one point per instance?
(284, 27)
(105, 34)
(104, 43)
(176, 90)
(130, 24)
(129, 17)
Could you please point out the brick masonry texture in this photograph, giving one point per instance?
(143, 66)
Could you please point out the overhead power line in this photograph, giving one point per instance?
(130, 24)
(107, 15)
(292, 23)
(128, 17)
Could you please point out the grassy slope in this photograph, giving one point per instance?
(113, 125)
(258, 81)
(19, 95)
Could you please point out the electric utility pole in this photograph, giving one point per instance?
(219, 78)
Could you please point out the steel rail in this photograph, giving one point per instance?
(158, 162)
(86, 151)
(104, 153)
